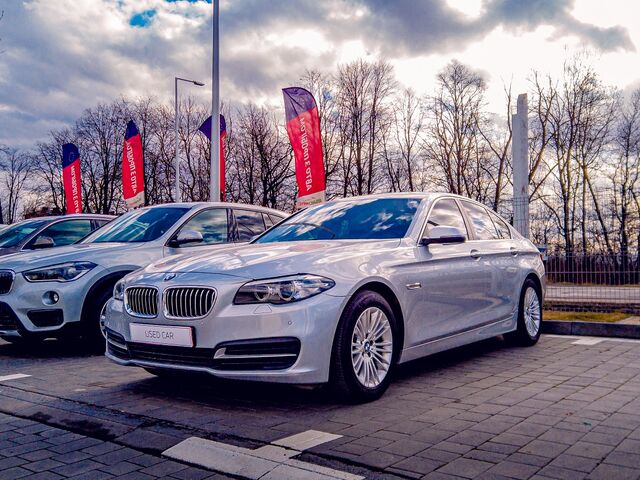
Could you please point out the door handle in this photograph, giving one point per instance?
(514, 251)
(475, 254)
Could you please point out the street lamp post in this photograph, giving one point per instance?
(177, 159)
(214, 176)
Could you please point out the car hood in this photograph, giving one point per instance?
(87, 252)
(264, 260)
(7, 251)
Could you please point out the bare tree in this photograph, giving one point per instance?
(626, 176)
(15, 167)
(402, 148)
(262, 161)
(454, 141)
(364, 91)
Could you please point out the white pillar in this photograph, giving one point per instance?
(520, 160)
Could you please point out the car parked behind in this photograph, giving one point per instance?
(340, 292)
(48, 232)
(55, 293)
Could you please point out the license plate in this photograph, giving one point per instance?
(161, 335)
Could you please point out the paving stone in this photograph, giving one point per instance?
(617, 472)
(405, 447)
(625, 459)
(120, 468)
(573, 462)
(42, 465)
(558, 435)
(465, 467)
(544, 448)
(6, 463)
(77, 468)
(589, 450)
(418, 464)
(191, 473)
(14, 472)
(513, 470)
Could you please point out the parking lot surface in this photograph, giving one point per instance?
(566, 408)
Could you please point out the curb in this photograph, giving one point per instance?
(591, 329)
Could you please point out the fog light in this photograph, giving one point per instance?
(50, 298)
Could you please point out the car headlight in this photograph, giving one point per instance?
(282, 290)
(65, 272)
(118, 290)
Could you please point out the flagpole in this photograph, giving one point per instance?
(214, 188)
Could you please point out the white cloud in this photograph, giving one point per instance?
(61, 57)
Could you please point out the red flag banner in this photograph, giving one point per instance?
(132, 167)
(71, 178)
(206, 129)
(303, 127)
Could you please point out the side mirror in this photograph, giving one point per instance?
(43, 242)
(186, 236)
(444, 234)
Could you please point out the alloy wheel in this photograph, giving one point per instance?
(371, 347)
(103, 316)
(532, 313)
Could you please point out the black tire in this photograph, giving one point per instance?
(523, 336)
(343, 377)
(91, 330)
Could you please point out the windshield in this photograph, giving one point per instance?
(375, 219)
(15, 234)
(138, 226)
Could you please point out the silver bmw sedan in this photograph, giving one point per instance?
(341, 292)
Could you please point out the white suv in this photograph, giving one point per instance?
(63, 291)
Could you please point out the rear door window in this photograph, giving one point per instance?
(481, 222)
(501, 226)
(249, 224)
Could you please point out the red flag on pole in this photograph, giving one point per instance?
(132, 167)
(206, 129)
(71, 178)
(303, 127)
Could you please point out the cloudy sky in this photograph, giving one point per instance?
(58, 57)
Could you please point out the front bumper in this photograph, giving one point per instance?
(24, 310)
(275, 343)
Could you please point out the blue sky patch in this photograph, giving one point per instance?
(142, 19)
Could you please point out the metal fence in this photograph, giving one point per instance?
(602, 283)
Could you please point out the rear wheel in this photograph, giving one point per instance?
(364, 352)
(529, 315)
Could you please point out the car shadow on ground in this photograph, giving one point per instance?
(50, 348)
(203, 388)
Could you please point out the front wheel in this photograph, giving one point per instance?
(529, 315)
(364, 352)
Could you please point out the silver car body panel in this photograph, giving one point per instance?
(448, 295)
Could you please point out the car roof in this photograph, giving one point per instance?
(51, 218)
(219, 204)
(419, 195)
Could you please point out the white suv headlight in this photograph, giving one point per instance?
(282, 290)
(65, 272)
(118, 290)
